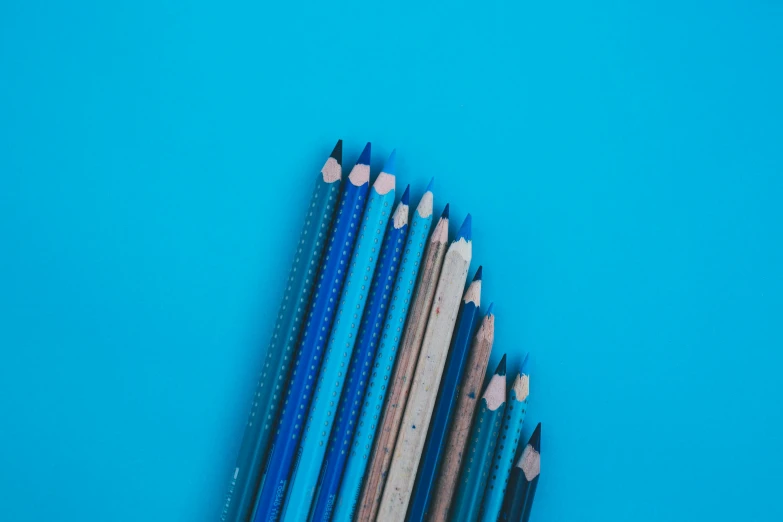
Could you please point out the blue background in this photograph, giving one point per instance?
(622, 163)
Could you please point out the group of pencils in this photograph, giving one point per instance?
(369, 405)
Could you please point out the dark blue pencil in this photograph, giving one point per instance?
(308, 362)
(447, 400)
(523, 481)
(268, 398)
(359, 372)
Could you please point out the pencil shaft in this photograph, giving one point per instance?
(359, 370)
(319, 322)
(310, 458)
(508, 440)
(392, 332)
(522, 483)
(267, 399)
(386, 436)
(457, 440)
(426, 380)
(445, 406)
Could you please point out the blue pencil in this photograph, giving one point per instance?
(447, 400)
(319, 322)
(516, 406)
(393, 328)
(523, 481)
(267, 399)
(342, 340)
(370, 334)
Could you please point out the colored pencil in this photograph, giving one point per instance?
(478, 459)
(502, 462)
(470, 390)
(361, 364)
(523, 481)
(343, 339)
(390, 335)
(434, 448)
(280, 350)
(410, 346)
(426, 380)
(308, 362)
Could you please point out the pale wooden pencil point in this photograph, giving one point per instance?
(530, 463)
(496, 392)
(521, 386)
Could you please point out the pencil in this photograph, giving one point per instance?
(483, 438)
(426, 379)
(386, 436)
(319, 322)
(434, 448)
(342, 340)
(359, 371)
(503, 460)
(523, 481)
(391, 332)
(469, 397)
(279, 353)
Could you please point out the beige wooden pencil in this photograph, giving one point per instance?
(456, 442)
(403, 372)
(426, 379)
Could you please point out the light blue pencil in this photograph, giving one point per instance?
(393, 328)
(312, 449)
(506, 448)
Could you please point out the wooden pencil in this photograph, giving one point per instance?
(426, 379)
(342, 340)
(503, 461)
(523, 481)
(375, 478)
(391, 333)
(483, 438)
(268, 399)
(278, 466)
(470, 390)
(434, 449)
(359, 371)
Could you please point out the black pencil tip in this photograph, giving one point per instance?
(445, 214)
(337, 152)
(477, 277)
(535, 439)
(501, 369)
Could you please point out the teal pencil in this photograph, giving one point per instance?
(483, 438)
(516, 406)
(279, 353)
(342, 339)
(370, 414)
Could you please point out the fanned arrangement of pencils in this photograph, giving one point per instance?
(373, 401)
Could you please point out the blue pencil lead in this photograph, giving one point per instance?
(477, 276)
(445, 214)
(429, 187)
(523, 368)
(406, 195)
(464, 230)
(389, 166)
(490, 308)
(501, 369)
(337, 152)
(364, 157)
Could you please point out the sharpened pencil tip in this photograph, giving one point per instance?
(490, 308)
(535, 439)
(501, 369)
(406, 196)
(364, 157)
(391, 163)
(523, 369)
(429, 187)
(445, 213)
(337, 152)
(477, 276)
(464, 230)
